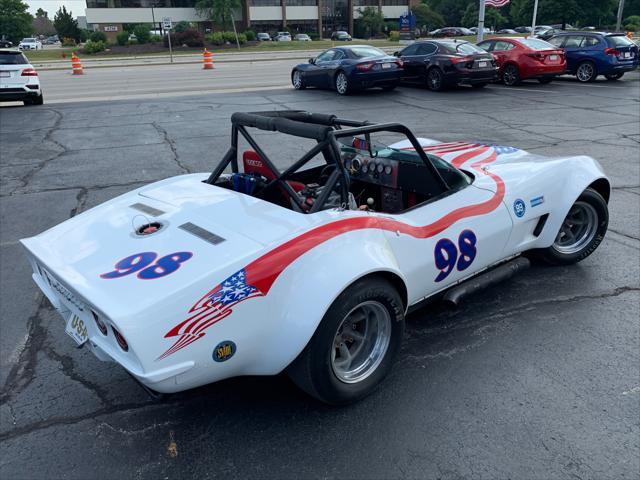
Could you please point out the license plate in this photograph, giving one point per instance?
(76, 329)
(386, 65)
(5, 74)
(553, 58)
(482, 64)
(628, 55)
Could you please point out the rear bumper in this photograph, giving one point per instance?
(12, 94)
(377, 79)
(544, 71)
(468, 77)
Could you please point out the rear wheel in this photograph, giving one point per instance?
(297, 81)
(342, 83)
(39, 100)
(614, 76)
(510, 75)
(581, 231)
(354, 346)
(435, 79)
(586, 72)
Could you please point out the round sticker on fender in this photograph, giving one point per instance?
(224, 351)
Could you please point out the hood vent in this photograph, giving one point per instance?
(202, 233)
(141, 207)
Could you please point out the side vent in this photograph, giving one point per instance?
(540, 225)
(147, 209)
(201, 233)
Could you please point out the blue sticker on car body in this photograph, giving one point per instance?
(537, 201)
(519, 208)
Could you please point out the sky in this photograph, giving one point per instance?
(51, 6)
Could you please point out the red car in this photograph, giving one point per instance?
(522, 58)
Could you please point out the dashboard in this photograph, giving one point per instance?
(378, 171)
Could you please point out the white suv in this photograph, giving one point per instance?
(30, 44)
(18, 79)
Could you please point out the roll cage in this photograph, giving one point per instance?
(326, 130)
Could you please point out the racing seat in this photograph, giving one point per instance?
(254, 165)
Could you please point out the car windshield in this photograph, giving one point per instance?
(12, 58)
(363, 52)
(619, 41)
(468, 48)
(28, 40)
(536, 44)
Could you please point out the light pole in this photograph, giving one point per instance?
(619, 20)
(535, 13)
(480, 22)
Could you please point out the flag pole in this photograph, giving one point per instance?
(535, 13)
(480, 21)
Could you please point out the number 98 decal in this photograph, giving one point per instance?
(147, 266)
(448, 256)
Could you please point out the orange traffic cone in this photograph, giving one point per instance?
(76, 65)
(207, 60)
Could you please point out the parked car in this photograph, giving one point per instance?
(545, 32)
(5, 43)
(341, 36)
(52, 40)
(30, 44)
(523, 29)
(522, 58)
(559, 26)
(302, 37)
(452, 32)
(347, 69)
(508, 31)
(590, 54)
(263, 37)
(18, 79)
(442, 63)
(282, 37)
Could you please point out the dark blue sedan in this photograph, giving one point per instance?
(347, 69)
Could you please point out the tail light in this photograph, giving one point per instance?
(101, 326)
(365, 67)
(468, 61)
(29, 72)
(120, 339)
(399, 63)
(612, 51)
(537, 56)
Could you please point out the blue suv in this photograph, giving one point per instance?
(590, 54)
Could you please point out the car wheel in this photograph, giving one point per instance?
(435, 80)
(342, 83)
(581, 231)
(510, 75)
(614, 76)
(479, 85)
(544, 81)
(297, 81)
(586, 72)
(355, 345)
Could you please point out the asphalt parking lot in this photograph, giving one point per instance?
(537, 378)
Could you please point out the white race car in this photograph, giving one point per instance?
(202, 277)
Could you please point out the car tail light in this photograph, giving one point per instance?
(101, 326)
(536, 55)
(120, 339)
(455, 60)
(365, 67)
(29, 72)
(399, 63)
(612, 51)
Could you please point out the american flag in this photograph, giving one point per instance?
(496, 3)
(213, 307)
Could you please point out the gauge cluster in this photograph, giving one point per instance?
(380, 171)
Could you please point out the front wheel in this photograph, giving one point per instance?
(342, 83)
(581, 231)
(614, 76)
(297, 81)
(354, 346)
(586, 72)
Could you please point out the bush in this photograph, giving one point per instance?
(142, 33)
(250, 34)
(68, 42)
(314, 36)
(155, 39)
(217, 38)
(632, 23)
(242, 39)
(98, 36)
(94, 47)
(84, 35)
(122, 38)
(181, 27)
(229, 37)
(190, 38)
(394, 36)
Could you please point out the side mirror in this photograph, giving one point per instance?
(312, 61)
(396, 54)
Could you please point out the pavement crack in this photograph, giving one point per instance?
(172, 145)
(81, 199)
(624, 234)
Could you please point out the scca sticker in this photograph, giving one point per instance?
(224, 351)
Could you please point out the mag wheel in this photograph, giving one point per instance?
(297, 81)
(342, 83)
(510, 75)
(355, 344)
(586, 72)
(581, 231)
(434, 80)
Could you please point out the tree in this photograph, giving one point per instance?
(219, 11)
(632, 23)
(372, 20)
(426, 17)
(15, 21)
(575, 12)
(492, 17)
(42, 25)
(451, 10)
(66, 25)
(41, 13)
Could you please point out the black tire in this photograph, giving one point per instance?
(479, 85)
(592, 201)
(295, 76)
(435, 79)
(586, 72)
(342, 88)
(545, 80)
(614, 76)
(39, 100)
(510, 75)
(314, 370)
